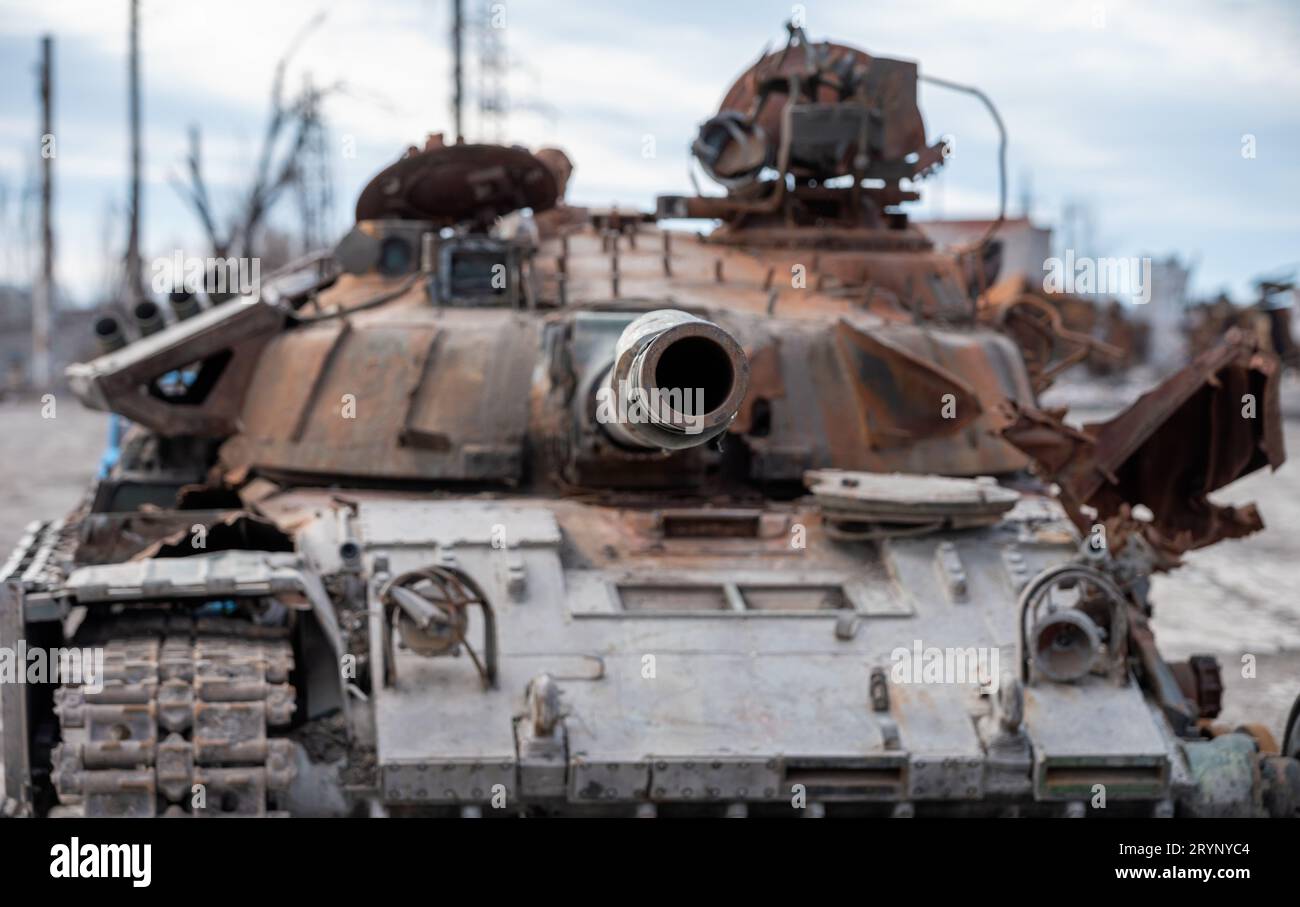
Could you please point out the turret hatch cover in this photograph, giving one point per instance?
(459, 183)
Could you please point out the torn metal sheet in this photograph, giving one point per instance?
(1201, 429)
(224, 532)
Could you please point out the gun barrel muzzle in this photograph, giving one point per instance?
(677, 381)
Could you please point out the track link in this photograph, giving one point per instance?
(180, 726)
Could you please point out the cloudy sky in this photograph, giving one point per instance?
(1137, 111)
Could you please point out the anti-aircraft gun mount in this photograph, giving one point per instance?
(814, 135)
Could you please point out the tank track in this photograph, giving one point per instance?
(181, 725)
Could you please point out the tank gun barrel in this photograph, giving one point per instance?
(677, 381)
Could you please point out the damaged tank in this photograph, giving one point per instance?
(508, 506)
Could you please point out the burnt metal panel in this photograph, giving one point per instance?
(417, 400)
(1193, 434)
(233, 333)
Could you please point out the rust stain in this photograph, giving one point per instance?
(1193, 434)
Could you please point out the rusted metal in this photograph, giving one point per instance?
(1201, 681)
(829, 74)
(422, 435)
(429, 609)
(812, 112)
(221, 345)
(686, 375)
(1201, 429)
(455, 183)
(1049, 339)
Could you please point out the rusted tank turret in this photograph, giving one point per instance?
(510, 503)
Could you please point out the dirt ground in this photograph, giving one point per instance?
(1235, 600)
(45, 464)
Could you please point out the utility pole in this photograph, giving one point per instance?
(43, 296)
(135, 286)
(457, 40)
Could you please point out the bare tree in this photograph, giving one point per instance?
(290, 128)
